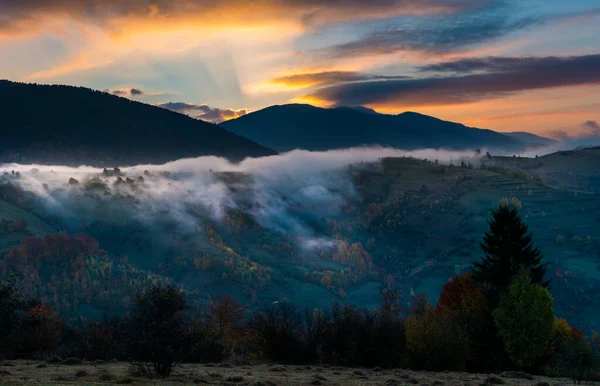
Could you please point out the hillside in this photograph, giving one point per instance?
(313, 238)
(293, 126)
(577, 169)
(74, 125)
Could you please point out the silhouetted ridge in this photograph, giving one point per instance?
(292, 126)
(75, 125)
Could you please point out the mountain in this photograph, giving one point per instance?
(292, 126)
(76, 125)
(532, 139)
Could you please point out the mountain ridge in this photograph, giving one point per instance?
(77, 125)
(290, 126)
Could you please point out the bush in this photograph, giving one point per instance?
(157, 330)
(436, 342)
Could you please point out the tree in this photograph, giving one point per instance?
(525, 319)
(157, 329)
(572, 353)
(26, 326)
(508, 247)
(464, 301)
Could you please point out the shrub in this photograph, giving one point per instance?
(436, 342)
(525, 320)
(157, 329)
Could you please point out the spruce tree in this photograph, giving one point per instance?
(508, 247)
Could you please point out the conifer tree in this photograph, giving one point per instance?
(508, 247)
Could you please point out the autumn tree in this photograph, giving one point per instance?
(464, 301)
(224, 317)
(525, 319)
(508, 247)
(572, 354)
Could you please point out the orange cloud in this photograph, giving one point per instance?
(227, 13)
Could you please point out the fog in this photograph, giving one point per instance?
(286, 193)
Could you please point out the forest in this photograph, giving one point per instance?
(498, 316)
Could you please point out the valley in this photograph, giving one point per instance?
(334, 234)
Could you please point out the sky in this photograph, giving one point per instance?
(507, 65)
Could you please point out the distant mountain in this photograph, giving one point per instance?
(76, 125)
(532, 139)
(292, 126)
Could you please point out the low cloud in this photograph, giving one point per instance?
(286, 193)
(478, 79)
(124, 92)
(328, 78)
(204, 112)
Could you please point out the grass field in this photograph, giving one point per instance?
(40, 373)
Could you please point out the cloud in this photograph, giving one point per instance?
(439, 35)
(18, 16)
(494, 64)
(502, 76)
(204, 112)
(593, 125)
(586, 134)
(126, 92)
(327, 78)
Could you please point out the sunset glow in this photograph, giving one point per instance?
(505, 65)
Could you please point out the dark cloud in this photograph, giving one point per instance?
(132, 93)
(328, 78)
(522, 74)
(445, 34)
(204, 112)
(511, 64)
(593, 125)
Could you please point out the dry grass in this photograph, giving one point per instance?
(40, 373)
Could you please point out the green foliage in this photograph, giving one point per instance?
(508, 247)
(525, 319)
